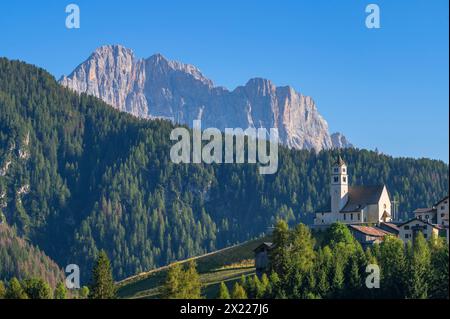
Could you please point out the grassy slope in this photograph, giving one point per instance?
(226, 265)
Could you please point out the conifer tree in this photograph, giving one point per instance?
(2, 290)
(279, 256)
(238, 292)
(37, 288)
(60, 291)
(418, 273)
(191, 283)
(15, 290)
(223, 291)
(103, 286)
(393, 267)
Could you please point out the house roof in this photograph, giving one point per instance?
(443, 199)
(371, 231)
(417, 220)
(361, 196)
(424, 210)
(266, 245)
(391, 226)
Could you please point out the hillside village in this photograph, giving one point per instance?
(368, 213)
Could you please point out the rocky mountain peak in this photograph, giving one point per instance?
(340, 141)
(159, 87)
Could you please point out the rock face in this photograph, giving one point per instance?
(340, 141)
(159, 88)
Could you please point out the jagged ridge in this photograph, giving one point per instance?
(157, 87)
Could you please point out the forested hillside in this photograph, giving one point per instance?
(77, 176)
(22, 260)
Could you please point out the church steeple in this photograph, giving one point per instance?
(339, 185)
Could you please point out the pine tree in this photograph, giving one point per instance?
(265, 286)
(238, 292)
(60, 291)
(223, 291)
(302, 249)
(2, 290)
(182, 284)
(338, 279)
(353, 277)
(103, 286)
(439, 277)
(192, 284)
(15, 290)
(173, 283)
(37, 288)
(419, 260)
(279, 256)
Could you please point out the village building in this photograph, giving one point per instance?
(353, 204)
(410, 229)
(442, 211)
(391, 228)
(427, 214)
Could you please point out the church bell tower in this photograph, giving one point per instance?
(339, 185)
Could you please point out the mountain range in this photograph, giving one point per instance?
(78, 176)
(159, 88)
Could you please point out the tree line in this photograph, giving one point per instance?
(302, 268)
(102, 286)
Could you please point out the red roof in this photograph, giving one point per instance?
(371, 231)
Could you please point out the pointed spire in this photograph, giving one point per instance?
(339, 162)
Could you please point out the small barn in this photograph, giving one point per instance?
(262, 258)
(367, 235)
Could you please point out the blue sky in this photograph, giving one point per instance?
(384, 88)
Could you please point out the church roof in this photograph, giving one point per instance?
(339, 161)
(358, 198)
(361, 196)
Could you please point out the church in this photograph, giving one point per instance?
(353, 204)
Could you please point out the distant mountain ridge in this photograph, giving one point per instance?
(159, 88)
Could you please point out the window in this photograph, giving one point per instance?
(336, 179)
(406, 227)
(442, 207)
(336, 170)
(344, 179)
(343, 169)
(427, 216)
(425, 235)
(359, 216)
(345, 216)
(442, 215)
(351, 216)
(384, 206)
(406, 236)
